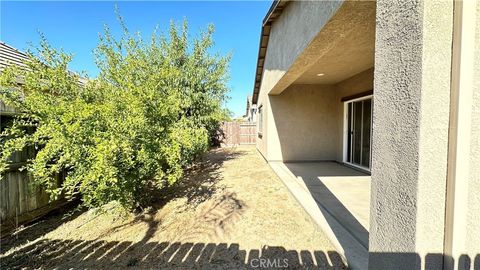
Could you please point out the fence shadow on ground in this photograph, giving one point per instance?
(413, 261)
(35, 229)
(200, 182)
(81, 254)
(75, 254)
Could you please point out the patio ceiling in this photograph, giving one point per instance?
(352, 55)
(344, 47)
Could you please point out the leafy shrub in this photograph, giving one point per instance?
(135, 127)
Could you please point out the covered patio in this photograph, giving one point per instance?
(337, 198)
(315, 114)
(383, 87)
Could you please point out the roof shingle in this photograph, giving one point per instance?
(11, 56)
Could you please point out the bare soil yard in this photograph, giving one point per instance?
(230, 212)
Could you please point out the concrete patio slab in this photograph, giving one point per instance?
(342, 190)
(337, 198)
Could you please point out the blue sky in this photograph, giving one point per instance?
(74, 26)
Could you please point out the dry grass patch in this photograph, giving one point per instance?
(229, 211)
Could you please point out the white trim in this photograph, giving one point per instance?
(350, 105)
(345, 131)
(358, 166)
(460, 130)
(358, 99)
(361, 133)
(371, 131)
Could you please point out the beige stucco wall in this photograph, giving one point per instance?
(305, 122)
(286, 43)
(290, 34)
(263, 107)
(410, 133)
(473, 213)
(302, 124)
(425, 198)
(412, 129)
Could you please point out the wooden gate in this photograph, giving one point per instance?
(238, 133)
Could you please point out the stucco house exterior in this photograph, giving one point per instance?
(250, 112)
(369, 111)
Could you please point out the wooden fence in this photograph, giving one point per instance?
(21, 202)
(238, 133)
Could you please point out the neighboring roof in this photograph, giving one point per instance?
(10, 55)
(273, 13)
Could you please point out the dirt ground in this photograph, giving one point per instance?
(230, 212)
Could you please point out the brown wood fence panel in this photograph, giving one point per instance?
(20, 201)
(7, 109)
(248, 133)
(238, 133)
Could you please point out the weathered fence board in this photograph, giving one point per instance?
(238, 133)
(20, 201)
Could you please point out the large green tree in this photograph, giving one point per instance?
(152, 109)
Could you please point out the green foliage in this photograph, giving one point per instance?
(154, 107)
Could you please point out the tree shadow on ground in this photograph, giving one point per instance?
(35, 229)
(199, 183)
(75, 254)
(216, 220)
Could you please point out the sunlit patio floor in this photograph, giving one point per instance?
(337, 197)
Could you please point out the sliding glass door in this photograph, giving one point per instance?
(359, 129)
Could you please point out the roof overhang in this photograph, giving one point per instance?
(9, 56)
(343, 47)
(273, 13)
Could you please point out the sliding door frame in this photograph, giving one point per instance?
(346, 132)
